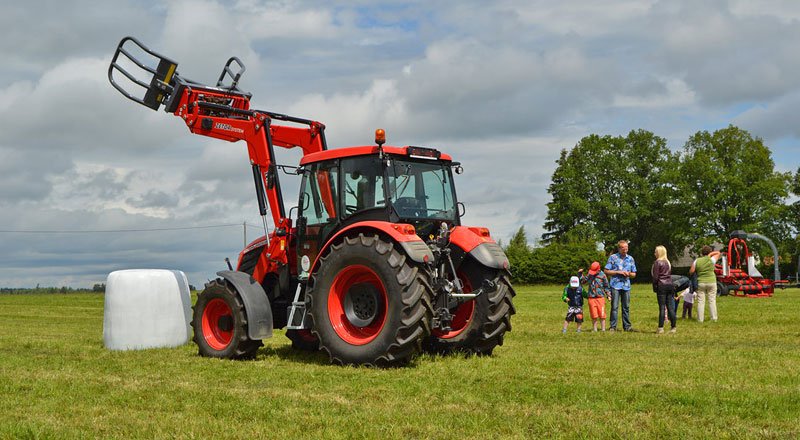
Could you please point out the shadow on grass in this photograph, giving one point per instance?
(287, 353)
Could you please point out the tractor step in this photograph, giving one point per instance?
(298, 318)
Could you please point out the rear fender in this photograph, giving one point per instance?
(479, 245)
(256, 304)
(412, 245)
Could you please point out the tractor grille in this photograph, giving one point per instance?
(250, 259)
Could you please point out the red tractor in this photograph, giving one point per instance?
(375, 267)
(737, 273)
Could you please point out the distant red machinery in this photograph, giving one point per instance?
(736, 271)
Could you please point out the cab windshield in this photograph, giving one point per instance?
(421, 190)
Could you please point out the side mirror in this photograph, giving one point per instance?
(462, 209)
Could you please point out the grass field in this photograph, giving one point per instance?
(734, 378)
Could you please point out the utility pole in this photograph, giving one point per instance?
(244, 230)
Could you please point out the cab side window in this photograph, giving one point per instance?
(319, 195)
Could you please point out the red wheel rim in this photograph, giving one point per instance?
(348, 282)
(462, 316)
(217, 337)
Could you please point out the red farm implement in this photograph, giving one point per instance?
(737, 273)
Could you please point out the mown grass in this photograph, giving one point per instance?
(734, 378)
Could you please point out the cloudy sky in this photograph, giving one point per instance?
(502, 86)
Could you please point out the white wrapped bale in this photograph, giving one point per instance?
(146, 308)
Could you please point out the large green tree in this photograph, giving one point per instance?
(553, 263)
(794, 221)
(795, 207)
(609, 188)
(728, 182)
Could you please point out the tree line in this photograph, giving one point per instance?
(635, 188)
(50, 290)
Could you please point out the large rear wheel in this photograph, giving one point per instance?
(220, 323)
(478, 325)
(368, 304)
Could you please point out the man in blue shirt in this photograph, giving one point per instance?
(620, 268)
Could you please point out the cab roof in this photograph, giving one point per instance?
(365, 150)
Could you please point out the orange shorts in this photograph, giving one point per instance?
(597, 307)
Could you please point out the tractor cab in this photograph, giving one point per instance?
(399, 185)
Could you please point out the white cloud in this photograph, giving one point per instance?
(38, 34)
(675, 93)
(786, 11)
(587, 18)
(348, 117)
(262, 20)
(72, 107)
(780, 118)
(201, 35)
(726, 58)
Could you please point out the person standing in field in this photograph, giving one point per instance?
(688, 300)
(573, 295)
(621, 267)
(706, 282)
(599, 290)
(664, 289)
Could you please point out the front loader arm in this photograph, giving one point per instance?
(221, 112)
(233, 121)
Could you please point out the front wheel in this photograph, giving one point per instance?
(368, 304)
(478, 325)
(220, 323)
(722, 289)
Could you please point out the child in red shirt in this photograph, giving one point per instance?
(599, 290)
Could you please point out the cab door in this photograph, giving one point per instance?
(318, 210)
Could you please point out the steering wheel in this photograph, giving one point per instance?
(408, 206)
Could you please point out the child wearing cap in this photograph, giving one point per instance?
(688, 302)
(599, 290)
(573, 295)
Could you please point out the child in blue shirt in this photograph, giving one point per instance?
(573, 295)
